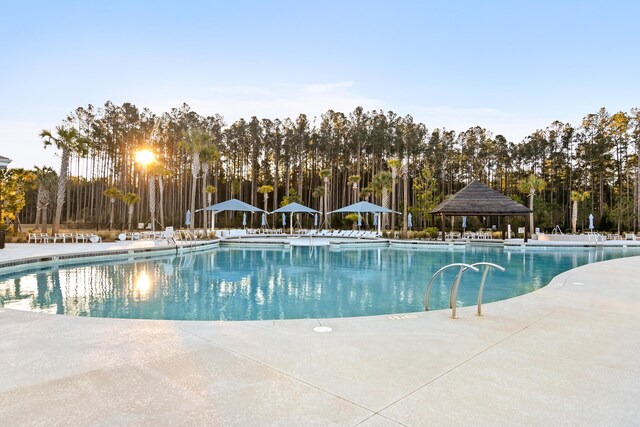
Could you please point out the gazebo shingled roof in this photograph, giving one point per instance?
(478, 199)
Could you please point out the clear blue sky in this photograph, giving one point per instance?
(511, 66)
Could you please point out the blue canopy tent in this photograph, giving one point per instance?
(229, 205)
(365, 207)
(294, 208)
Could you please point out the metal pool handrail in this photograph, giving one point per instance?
(487, 265)
(463, 267)
(453, 295)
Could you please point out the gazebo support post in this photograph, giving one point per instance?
(442, 226)
(526, 228)
(503, 226)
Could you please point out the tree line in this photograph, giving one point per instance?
(327, 162)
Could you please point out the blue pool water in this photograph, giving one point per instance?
(297, 282)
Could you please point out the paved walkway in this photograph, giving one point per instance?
(565, 354)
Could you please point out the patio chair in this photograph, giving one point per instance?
(45, 238)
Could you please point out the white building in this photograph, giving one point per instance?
(4, 162)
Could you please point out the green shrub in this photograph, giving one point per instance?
(432, 232)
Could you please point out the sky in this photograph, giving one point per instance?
(509, 66)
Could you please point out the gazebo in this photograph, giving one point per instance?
(478, 199)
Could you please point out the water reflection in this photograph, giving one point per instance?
(143, 284)
(230, 284)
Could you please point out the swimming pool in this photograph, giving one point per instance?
(277, 283)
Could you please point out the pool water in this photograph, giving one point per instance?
(291, 283)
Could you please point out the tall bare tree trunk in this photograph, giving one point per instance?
(112, 201)
(405, 207)
(45, 220)
(531, 229)
(205, 171)
(130, 212)
(152, 201)
(62, 186)
(385, 203)
(161, 191)
(394, 176)
(195, 168)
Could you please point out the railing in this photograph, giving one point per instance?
(453, 295)
(486, 265)
(597, 237)
(456, 282)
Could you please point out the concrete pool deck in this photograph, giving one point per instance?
(565, 354)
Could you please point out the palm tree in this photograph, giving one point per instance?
(210, 190)
(318, 193)
(405, 206)
(325, 175)
(112, 193)
(46, 179)
(69, 141)
(193, 142)
(130, 199)
(265, 190)
(159, 170)
(153, 169)
(531, 185)
(208, 157)
(366, 193)
(382, 183)
(576, 197)
(394, 164)
(354, 180)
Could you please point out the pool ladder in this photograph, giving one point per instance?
(453, 295)
(597, 237)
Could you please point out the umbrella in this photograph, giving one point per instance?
(375, 219)
(187, 218)
(359, 220)
(292, 208)
(232, 205)
(229, 205)
(591, 227)
(315, 220)
(464, 222)
(409, 222)
(366, 207)
(295, 207)
(264, 220)
(244, 219)
(361, 207)
(284, 219)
